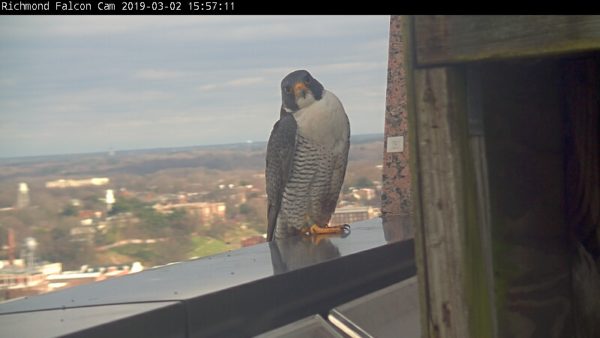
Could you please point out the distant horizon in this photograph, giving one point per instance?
(107, 151)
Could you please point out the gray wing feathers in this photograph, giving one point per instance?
(337, 179)
(280, 158)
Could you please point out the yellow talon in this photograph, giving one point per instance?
(336, 229)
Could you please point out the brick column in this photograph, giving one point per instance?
(395, 198)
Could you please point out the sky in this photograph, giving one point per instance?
(75, 84)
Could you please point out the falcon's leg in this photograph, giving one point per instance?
(329, 230)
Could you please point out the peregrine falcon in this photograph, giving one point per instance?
(307, 155)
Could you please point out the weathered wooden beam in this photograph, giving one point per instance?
(441, 232)
(446, 39)
(450, 251)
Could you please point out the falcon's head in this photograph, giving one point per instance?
(299, 90)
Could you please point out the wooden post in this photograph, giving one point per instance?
(440, 232)
(454, 280)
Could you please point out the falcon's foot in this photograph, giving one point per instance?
(329, 230)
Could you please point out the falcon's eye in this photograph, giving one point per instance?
(287, 89)
(307, 80)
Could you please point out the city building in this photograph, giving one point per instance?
(253, 240)
(23, 196)
(366, 194)
(205, 211)
(87, 182)
(110, 199)
(351, 214)
(19, 279)
(83, 233)
(89, 274)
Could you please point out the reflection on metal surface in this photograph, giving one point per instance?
(159, 320)
(314, 327)
(239, 293)
(388, 313)
(211, 274)
(298, 252)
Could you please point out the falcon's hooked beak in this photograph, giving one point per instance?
(300, 90)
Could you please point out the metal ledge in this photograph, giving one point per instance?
(314, 327)
(239, 293)
(149, 320)
(389, 312)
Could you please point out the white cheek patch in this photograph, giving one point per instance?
(303, 102)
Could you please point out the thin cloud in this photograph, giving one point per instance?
(7, 82)
(158, 74)
(112, 96)
(348, 66)
(336, 67)
(246, 81)
(235, 83)
(208, 87)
